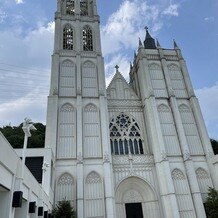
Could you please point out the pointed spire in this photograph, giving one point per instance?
(140, 43)
(158, 44)
(135, 56)
(175, 44)
(131, 65)
(149, 42)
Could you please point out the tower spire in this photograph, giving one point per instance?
(140, 43)
(175, 44)
(149, 42)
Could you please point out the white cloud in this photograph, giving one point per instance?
(209, 19)
(172, 10)
(3, 15)
(208, 98)
(19, 1)
(28, 86)
(126, 25)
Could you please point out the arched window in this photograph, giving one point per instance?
(87, 39)
(91, 134)
(66, 147)
(68, 37)
(177, 81)
(94, 196)
(157, 80)
(125, 136)
(67, 79)
(70, 7)
(168, 130)
(204, 182)
(65, 188)
(184, 200)
(89, 80)
(191, 131)
(83, 7)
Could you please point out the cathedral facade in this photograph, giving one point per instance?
(137, 149)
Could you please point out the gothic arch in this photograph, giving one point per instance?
(89, 64)
(168, 130)
(125, 135)
(65, 188)
(93, 177)
(157, 80)
(136, 190)
(177, 174)
(90, 107)
(68, 62)
(68, 37)
(88, 38)
(67, 107)
(173, 66)
(70, 7)
(89, 79)
(154, 66)
(177, 81)
(94, 195)
(183, 195)
(184, 108)
(66, 147)
(91, 125)
(204, 181)
(191, 130)
(163, 107)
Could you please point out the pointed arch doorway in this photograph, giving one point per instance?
(136, 199)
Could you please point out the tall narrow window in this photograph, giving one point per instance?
(70, 7)
(125, 136)
(94, 196)
(65, 189)
(87, 39)
(83, 8)
(184, 199)
(68, 37)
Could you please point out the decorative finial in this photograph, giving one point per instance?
(117, 68)
(175, 44)
(158, 44)
(140, 43)
(135, 56)
(146, 28)
(131, 65)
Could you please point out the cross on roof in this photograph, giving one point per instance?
(146, 28)
(117, 67)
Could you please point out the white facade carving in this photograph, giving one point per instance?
(139, 144)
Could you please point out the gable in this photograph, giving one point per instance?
(120, 89)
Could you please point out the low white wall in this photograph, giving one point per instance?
(10, 181)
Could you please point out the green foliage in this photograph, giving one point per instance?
(214, 145)
(15, 136)
(64, 210)
(211, 204)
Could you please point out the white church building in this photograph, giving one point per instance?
(137, 149)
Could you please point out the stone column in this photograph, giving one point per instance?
(80, 186)
(192, 179)
(107, 165)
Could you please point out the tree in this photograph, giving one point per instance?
(15, 136)
(214, 145)
(211, 204)
(64, 210)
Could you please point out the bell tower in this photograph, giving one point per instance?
(77, 116)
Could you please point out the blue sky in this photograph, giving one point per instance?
(26, 44)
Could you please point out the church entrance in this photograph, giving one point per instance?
(134, 210)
